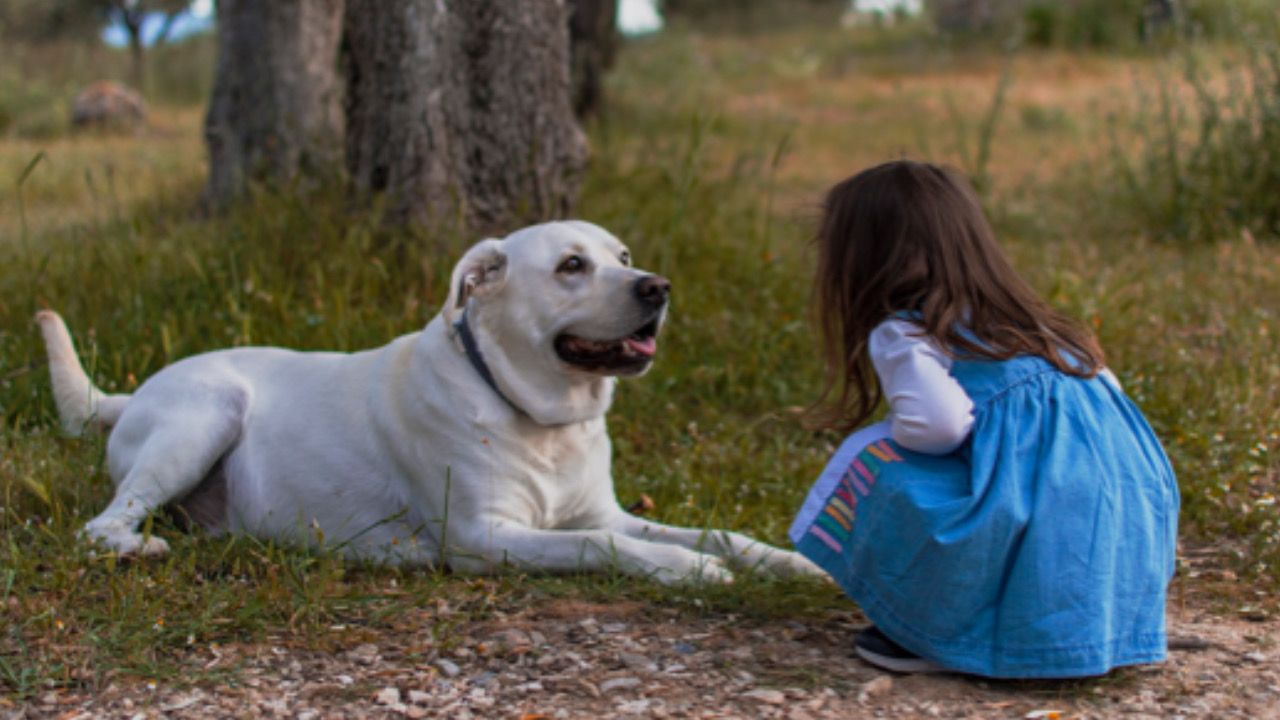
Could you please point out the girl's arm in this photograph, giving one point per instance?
(928, 410)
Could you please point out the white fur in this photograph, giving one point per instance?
(403, 454)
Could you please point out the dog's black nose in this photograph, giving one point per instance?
(653, 290)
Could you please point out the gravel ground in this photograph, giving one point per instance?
(570, 659)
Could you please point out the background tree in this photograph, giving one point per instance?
(274, 113)
(750, 14)
(131, 15)
(964, 15)
(460, 112)
(593, 47)
(37, 21)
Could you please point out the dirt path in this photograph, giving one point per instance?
(568, 659)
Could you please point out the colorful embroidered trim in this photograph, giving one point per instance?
(833, 525)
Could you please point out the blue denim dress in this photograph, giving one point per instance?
(1041, 548)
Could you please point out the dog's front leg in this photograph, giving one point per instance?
(737, 550)
(487, 547)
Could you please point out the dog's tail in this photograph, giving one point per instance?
(80, 404)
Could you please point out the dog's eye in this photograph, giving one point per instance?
(573, 264)
(625, 257)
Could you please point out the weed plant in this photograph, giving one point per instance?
(1207, 160)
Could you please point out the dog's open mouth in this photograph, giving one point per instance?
(629, 354)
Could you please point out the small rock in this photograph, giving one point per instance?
(108, 104)
(364, 654)
(510, 639)
(1255, 657)
(447, 667)
(882, 685)
(634, 707)
(769, 697)
(1188, 642)
(387, 696)
(740, 654)
(591, 690)
(684, 648)
(620, 683)
(534, 686)
(417, 697)
(415, 712)
(638, 662)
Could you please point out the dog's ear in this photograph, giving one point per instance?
(480, 272)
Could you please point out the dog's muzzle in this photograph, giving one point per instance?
(627, 355)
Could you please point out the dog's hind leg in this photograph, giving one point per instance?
(159, 455)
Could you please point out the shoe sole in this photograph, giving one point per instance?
(906, 666)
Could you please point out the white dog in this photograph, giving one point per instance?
(478, 442)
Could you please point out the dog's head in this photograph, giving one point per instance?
(558, 311)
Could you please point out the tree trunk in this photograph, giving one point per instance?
(459, 111)
(136, 59)
(275, 113)
(962, 15)
(593, 46)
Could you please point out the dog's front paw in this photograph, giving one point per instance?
(705, 570)
(792, 564)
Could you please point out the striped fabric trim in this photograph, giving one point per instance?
(834, 524)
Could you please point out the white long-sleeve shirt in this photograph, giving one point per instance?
(928, 410)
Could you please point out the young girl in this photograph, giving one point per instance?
(1014, 515)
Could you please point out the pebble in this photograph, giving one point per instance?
(388, 696)
(770, 697)
(882, 685)
(448, 667)
(638, 662)
(620, 683)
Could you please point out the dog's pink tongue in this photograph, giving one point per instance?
(646, 347)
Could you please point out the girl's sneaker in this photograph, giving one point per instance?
(876, 648)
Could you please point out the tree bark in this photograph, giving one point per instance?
(459, 112)
(137, 61)
(275, 113)
(593, 46)
(962, 15)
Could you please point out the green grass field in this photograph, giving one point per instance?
(710, 163)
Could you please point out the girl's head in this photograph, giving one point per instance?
(910, 237)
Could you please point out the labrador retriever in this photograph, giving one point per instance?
(477, 443)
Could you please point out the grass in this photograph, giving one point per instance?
(712, 178)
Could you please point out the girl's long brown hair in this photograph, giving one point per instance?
(912, 237)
